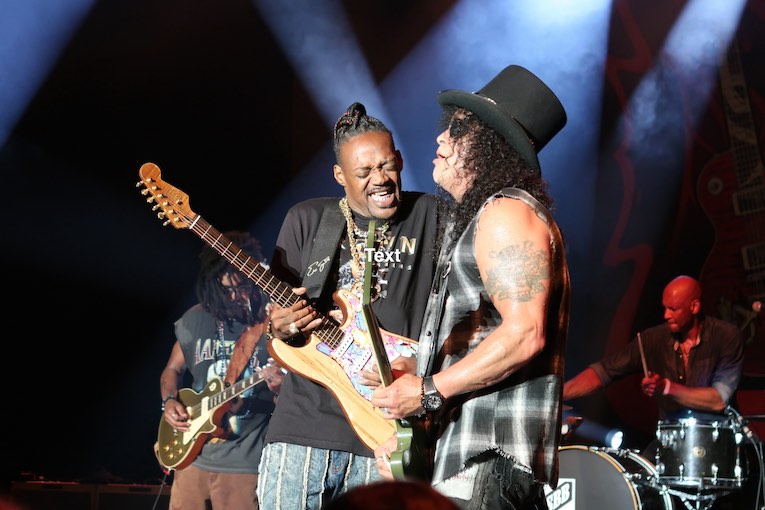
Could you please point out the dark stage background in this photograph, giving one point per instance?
(206, 90)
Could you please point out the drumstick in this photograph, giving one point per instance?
(642, 355)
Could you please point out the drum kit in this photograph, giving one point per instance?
(695, 463)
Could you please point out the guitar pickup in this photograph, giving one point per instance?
(754, 256)
(749, 201)
(353, 350)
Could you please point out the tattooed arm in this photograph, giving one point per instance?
(512, 249)
(513, 254)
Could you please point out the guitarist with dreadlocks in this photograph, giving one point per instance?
(219, 341)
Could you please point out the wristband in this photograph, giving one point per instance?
(166, 399)
(666, 387)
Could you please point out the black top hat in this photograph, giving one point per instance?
(518, 105)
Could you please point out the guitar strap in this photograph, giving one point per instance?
(331, 227)
(243, 349)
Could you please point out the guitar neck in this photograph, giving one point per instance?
(378, 346)
(234, 390)
(739, 118)
(278, 291)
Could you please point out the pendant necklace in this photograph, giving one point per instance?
(221, 354)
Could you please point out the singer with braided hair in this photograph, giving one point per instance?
(313, 454)
(222, 337)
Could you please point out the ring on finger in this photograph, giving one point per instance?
(293, 329)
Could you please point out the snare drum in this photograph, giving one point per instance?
(607, 478)
(699, 455)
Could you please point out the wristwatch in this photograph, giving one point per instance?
(432, 400)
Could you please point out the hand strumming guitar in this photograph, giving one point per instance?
(175, 414)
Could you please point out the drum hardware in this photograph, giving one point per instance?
(699, 462)
(699, 456)
(702, 501)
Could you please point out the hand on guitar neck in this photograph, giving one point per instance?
(300, 318)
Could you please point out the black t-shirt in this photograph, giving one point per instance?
(307, 413)
(207, 356)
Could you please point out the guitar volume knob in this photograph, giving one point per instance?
(715, 186)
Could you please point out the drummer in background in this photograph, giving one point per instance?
(694, 362)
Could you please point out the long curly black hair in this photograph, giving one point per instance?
(214, 297)
(355, 122)
(493, 162)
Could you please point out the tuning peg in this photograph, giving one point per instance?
(150, 199)
(161, 215)
(155, 207)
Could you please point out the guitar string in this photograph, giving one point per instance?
(279, 292)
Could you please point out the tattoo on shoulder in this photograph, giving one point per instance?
(518, 272)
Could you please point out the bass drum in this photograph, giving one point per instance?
(607, 478)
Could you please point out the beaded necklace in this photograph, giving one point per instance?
(357, 252)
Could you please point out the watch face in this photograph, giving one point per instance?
(433, 402)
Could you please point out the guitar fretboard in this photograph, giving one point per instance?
(234, 390)
(280, 292)
(743, 136)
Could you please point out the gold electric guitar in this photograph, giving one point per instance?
(333, 355)
(176, 449)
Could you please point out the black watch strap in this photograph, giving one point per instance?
(432, 400)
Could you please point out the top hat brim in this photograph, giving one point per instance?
(487, 110)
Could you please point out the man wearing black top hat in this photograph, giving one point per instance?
(490, 360)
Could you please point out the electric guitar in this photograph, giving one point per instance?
(333, 355)
(176, 449)
(731, 191)
(412, 456)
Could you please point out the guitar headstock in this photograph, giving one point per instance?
(174, 203)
